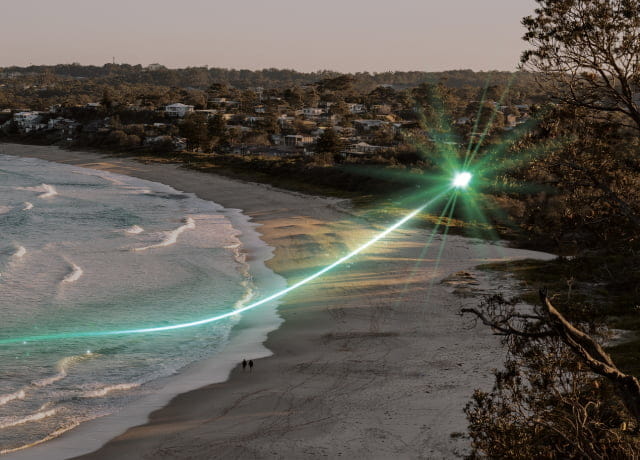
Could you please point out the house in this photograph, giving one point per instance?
(367, 125)
(217, 100)
(64, 126)
(284, 120)
(155, 66)
(356, 108)
(93, 105)
(253, 121)
(510, 121)
(178, 110)
(209, 113)
(312, 111)
(297, 140)
(382, 109)
(28, 121)
(362, 148)
(263, 150)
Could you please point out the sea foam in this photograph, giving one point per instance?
(27, 206)
(5, 399)
(20, 252)
(74, 275)
(108, 389)
(7, 422)
(134, 230)
(172, 236)
(62, 367)
(46, 191)
(49, 191)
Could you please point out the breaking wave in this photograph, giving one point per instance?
(49, 191)
(27, 206)
(62, 367)
(7, 422)
(49, 437)
(108, 389)
(172, 237)
(46, 191)
(74, 275)
(20, 394)
(20, 252)
(134, 230)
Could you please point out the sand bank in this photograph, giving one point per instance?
(372, 360)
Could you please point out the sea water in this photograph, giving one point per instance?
(86, 250)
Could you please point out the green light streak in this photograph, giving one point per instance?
(277, 295)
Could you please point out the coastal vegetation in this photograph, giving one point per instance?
(561, 395)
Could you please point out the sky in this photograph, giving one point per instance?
(340, 35)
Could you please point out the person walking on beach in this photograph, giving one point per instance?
(250, 365)
(244, 364)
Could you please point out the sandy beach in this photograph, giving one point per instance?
(372, 360)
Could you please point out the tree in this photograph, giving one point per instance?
(339, 83)
(587, 54)
(329, 142)
(560, 394)
(217, 126)
(194, 129)
(107, 100)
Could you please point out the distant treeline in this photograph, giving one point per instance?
(203, 77)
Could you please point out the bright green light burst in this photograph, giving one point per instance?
(462, 179)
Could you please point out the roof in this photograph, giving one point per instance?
(179, 105)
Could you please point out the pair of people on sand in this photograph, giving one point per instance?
(245, 363)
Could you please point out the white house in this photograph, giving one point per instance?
(297, 140)
(363, 148)
(312, 111)
(367, 125)
(178, 110)
(356, 108)
(28, 121)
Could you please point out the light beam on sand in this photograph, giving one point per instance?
(213, 319)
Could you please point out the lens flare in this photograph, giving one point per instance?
(462, 179)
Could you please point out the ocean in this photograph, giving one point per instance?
(87, 250)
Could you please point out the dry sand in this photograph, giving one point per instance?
(373, 360)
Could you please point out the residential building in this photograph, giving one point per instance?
(363, 148)
(367, 125)
(28, 121)
(178, 110)
(312, 111)
(298, 140)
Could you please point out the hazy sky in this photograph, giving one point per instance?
(342, 35)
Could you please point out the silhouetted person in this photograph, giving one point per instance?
(250, 365)
(244, 364)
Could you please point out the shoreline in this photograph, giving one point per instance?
(362, 367)
(246, 338)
